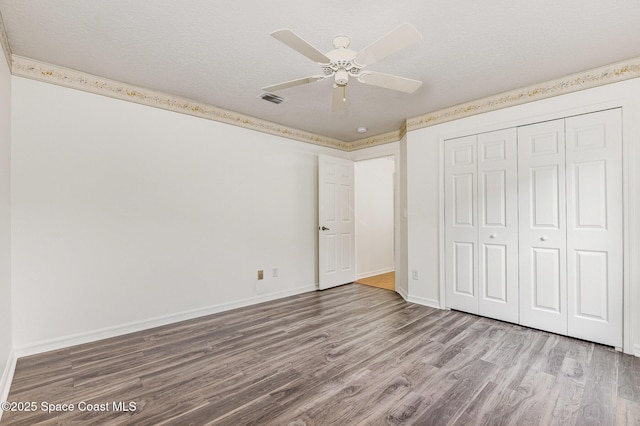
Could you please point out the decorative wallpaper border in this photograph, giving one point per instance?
(4, 41)
(30, 68)
(381, 139)
(613, 73)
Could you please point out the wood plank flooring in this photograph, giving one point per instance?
(386, 281)
(352, 355)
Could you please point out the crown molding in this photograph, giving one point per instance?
(41, 71)
(608, 74)
(4, 41)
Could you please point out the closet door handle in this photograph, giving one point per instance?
(493, 236)
(544, 238)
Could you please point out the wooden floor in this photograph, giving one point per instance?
(352, 355)
(386, 281)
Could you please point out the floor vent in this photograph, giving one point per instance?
(272, 98)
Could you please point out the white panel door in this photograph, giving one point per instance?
(461, 229)
(336, 228)
(498, 225)
(594, 226)
(542, 223)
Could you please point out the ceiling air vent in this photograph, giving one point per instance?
(272, 98)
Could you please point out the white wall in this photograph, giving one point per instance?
(423, 182)
(124, 214)
(5, 228)
(374, 204)
(424, 187)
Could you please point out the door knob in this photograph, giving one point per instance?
(492, 236)
(544, 238)
(324, 228)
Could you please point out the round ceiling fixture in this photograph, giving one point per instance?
(361, 129)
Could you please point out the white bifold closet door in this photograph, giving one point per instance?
(570, 196)
(533, 225)
(481, 221)
(461, 227)
(594, 227)
(543, 240)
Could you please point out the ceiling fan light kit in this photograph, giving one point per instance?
(342, 62)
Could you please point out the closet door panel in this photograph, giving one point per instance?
(594, 226)
(542, 224)
(463, 272)
(546, 284)
(461, 228)
(498, 225)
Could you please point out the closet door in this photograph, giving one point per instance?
(498, 225)
(594, 226)
(461, 229)
(542, 223)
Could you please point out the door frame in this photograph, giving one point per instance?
(381, 151)
(578, 103)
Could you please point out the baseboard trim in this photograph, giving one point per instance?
(432, 303)
(636, 350)
(374, 273)
(7, 377)
(119, 330)
(403, 293)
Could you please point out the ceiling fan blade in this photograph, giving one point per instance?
(403, 36)
(388, 81)
(298, 44)
(340, 100)
(292, 83)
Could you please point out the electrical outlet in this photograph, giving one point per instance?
(415, 275)
(260, 274)
(274, 272)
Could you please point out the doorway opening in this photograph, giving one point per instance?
(375, 222)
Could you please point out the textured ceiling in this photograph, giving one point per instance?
(220, 53)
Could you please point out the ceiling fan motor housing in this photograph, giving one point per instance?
(341, 65)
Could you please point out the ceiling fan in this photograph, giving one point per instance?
(342, 63)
